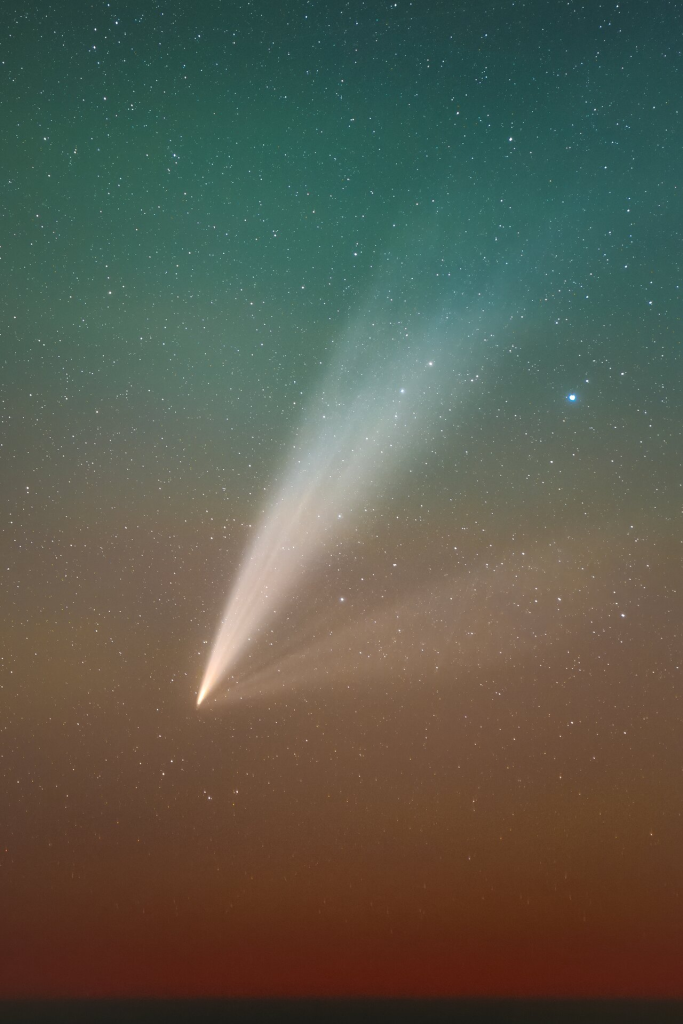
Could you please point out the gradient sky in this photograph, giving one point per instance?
(203, 205)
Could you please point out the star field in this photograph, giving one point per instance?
(396, 287)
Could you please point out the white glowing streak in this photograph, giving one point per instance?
(345, 453)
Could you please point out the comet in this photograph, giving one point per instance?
(362, 428)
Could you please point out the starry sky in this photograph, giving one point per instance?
(467, 779)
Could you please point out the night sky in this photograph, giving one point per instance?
(447, 759)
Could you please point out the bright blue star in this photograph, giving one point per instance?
(572, 397)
